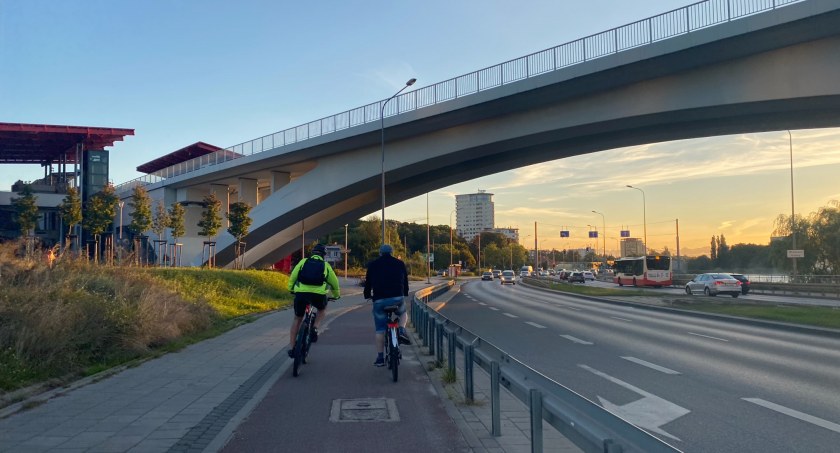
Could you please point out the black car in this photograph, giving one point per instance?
(745, 282)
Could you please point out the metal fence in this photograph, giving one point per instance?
(677, 22)
(587, 425)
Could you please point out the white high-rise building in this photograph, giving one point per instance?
(474, 213)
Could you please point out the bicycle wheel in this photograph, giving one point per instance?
(300, 347)
(307, 341)
(394, 355)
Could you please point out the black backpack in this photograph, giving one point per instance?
(312, 272)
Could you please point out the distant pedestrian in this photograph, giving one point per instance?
(386, 283)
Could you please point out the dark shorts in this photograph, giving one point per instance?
(318, 301)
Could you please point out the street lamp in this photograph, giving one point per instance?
(604, 233)
(121, 204)
(345, 251)
(382, 146)
(792, 210)
(644, 213)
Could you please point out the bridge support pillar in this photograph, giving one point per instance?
(223, 194)
(248, 191)
(279, 179)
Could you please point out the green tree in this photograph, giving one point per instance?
(176, 221)
(99, 214)
(209, 225)
(825, 235)
(240, 221)
(783, 242)
(70, 209)
(141, 211)
(713, 253)
(722, 253)
(160, 222)
(26, 216)
(25, 210)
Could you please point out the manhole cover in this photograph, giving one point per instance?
(364, 410)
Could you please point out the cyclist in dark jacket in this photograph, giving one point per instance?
(386, 282)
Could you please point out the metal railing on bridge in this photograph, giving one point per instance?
(677, 22)
(589, 426)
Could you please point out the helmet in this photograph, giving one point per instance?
(386, 249)
(319, 250)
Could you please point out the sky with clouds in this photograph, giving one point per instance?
(226, 72)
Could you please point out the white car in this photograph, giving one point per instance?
(588, 276)
(714, 283)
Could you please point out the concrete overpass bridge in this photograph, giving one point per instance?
(713, 68)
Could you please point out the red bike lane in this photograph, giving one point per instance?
(341, 402)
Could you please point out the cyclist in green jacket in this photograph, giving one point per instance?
(314, 292)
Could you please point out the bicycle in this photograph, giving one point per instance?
(392, 343)
(303, 339)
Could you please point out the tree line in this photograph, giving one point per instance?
(817, 234)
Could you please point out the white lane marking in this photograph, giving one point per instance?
(649, 413)
(570, 308)
(651, 365)
(510, 315)
(538, 326)
(621, 319)
(706, 336)
(795, 414)
(576, 340)
(482, 303)
(493, 308)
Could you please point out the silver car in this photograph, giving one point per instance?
(712, 284)
(508, 277)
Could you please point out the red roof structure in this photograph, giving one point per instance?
(45, 144)
(176, 157)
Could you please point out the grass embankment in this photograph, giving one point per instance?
(806, 315)
(78, 318)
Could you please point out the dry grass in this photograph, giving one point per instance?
(77, 317)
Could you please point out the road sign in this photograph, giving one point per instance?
(796, 253)
(593, 234)
(564, 233)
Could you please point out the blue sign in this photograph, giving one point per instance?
(593, 234)
(625, 233)
(564, 234)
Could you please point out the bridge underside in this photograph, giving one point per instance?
(775, 77)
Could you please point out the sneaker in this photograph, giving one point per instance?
(313, 336)
(402, 337)
(380, 361)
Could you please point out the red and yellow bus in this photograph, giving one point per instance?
(651, 270)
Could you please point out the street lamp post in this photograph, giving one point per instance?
(382, 147)
(644, 213)
(345, 251)
(121, 204)
(792, 210)
(604, 233)
(428, 244)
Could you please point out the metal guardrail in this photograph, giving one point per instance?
(677, 22)
(587, 425)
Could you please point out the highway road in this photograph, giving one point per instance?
(701, 384)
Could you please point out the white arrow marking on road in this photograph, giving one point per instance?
(651, 365)
(795, 414)
(576, 340)
(510, 315)
(493, 308)
(538, 326)
(649, 413)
